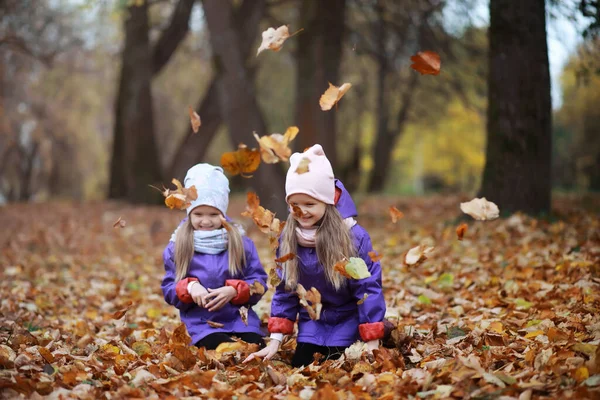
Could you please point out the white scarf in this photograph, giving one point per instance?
(307, 237)
(208, 242)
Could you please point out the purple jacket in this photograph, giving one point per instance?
(342, 321)
(212, 272)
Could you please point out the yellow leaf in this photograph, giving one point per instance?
(303, 166)
(228, 347)
(274, 148)
(581, 374)
(332, 95)
(497, 327)
(153, 313)
(533, 334)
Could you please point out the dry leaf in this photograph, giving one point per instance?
(181, 197)
(120, 222)
(213, 324)
(242, 162)
(264, 219)
(285, 258)
(273, 39)
(257, 288)
(363, 299)
(461, 230)
(244, 313)
(426, 63)
(297, 211)
(228, 347)
(340, 267)
(303, 166)
(194, 119)
(119, 314)
(311, 301)
(417, 255)
(44, 352)
(395, 214)
(274, 279)
(480, 209)
(332, 95)
(274, 148)
(374, 256)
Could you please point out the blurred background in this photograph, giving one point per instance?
(94, 94)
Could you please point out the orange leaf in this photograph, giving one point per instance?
(181, 336)
(332, 95)
(213, 324)
(242, 162)
(426, 63)
(285, 258)
(374, 256)
(297, 211)
(120, 222)
(274, 148)
(194, 119)
(263, 218)
(461, 230)
(395, 214)
(340, 267)
(181, 197)
(44, 352)
(257, 288)
(119, 314)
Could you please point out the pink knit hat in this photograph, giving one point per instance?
(318, 182)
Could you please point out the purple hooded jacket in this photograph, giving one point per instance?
(212, 272)
(342, 321)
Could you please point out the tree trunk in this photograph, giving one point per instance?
(517, 173)
(135, 162)
(237, 101)
(318, 58)
(194, 146)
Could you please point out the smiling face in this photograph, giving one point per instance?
(312, 209)
(206, 218)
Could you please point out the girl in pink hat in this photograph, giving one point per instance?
(325, 234)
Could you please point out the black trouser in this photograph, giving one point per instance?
(305, 351)
(210, 342)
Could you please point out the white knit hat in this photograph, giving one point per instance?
(318, 182)
(212, 187)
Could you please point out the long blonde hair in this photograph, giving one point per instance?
(333, 243)
(184, 250)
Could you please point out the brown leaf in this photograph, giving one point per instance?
(395, 214)
(274, 148)
(213, 324)
(374, 256)
(257, 288)
(285, 258)
(274, 279)
(461, 230)
(181, 197)
(181, 336)
(44, 352)
(297, 211)
(242, 162)
(363, 299)
(332, 95)
(244, 314)
(121, 223)
(264, 219)
(120, 313)
(194, 119)
(303, 166)
(311, 301)
(340, 267)
(426, 63)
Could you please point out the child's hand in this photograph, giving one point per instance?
(198, 293)
(373, 345)
(217, 298)
(267, 353)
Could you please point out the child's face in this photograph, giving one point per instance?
(312, 209)
(206, 218)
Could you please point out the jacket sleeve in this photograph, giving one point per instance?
(285, 306)
(253, 272)
(372, 311)
(175, 293)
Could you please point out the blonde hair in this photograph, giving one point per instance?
(184, 250)
(333, 243)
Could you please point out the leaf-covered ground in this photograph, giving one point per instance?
(510, 312)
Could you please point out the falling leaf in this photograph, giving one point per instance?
(273, 39)
(395, 214)
(480, 209)
(228, 347)
(181, 197)
(426, 63)
(257, 288)
(244, 313)
(303, 166)
(213, 324)
(274, 148)
(120, 313)
(194, 119)
(121, 223)
(274, 279)
(340, 267)
(311, 301)
(362, 300)
(332, 95)
(285, 258)
(374, 256)
(417, 255)
(461, 230)
(264, 219)
(354, 268)
(242, 162)
(297, 211)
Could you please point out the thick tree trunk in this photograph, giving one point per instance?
(135, 160)
(237, 101)
(318, 58)
(194, 146)
(517, 173)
